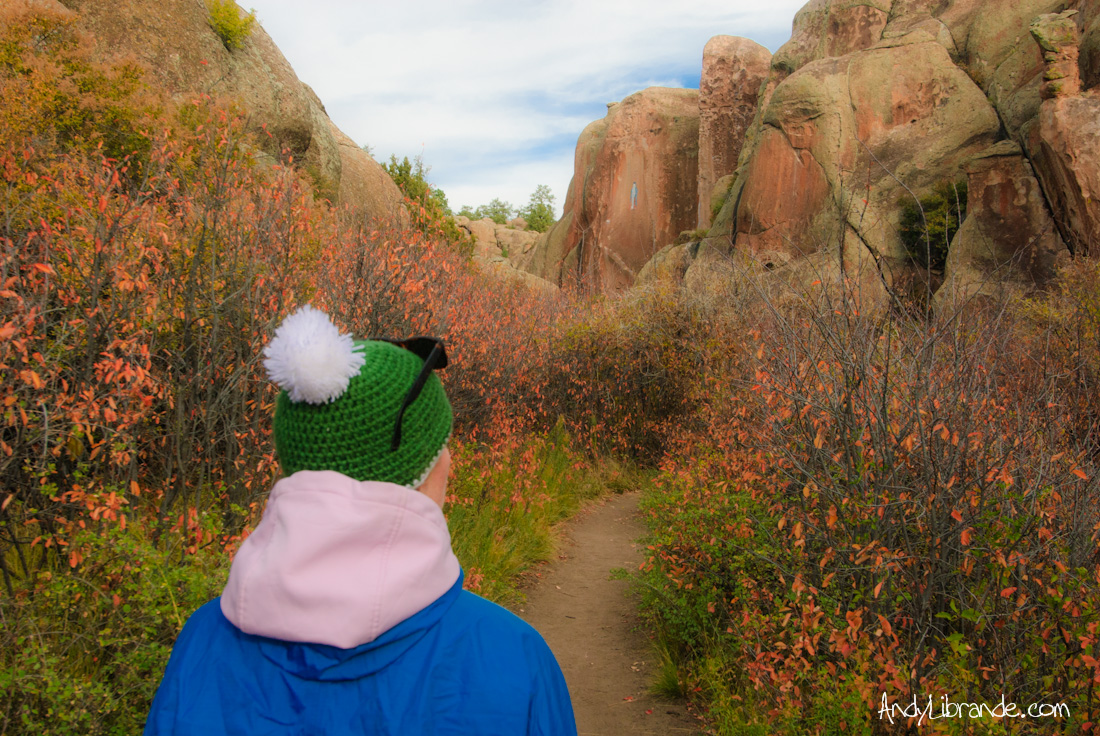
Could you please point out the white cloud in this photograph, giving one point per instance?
(494, 93)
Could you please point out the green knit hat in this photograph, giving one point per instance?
(340, 402)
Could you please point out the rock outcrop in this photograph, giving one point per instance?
(1065, 143)
(500, 251)
(633, 191)
(1008, 239)
(871, 105)
(826, 28)
(842, 141)
(184, 55)
(492, 240)
(733, 71)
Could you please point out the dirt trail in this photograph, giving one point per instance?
(590, 622)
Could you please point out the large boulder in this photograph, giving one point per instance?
(1089, 23)
(493, 241)
(1066, 141)
(1008, 239)
(633, 191)
(363, 184)
(830, 28)
(733, 71)
(842, 141)
(669, 264)
(186, 57)
(1002, 58)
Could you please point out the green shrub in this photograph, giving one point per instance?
(84, 643)
(928, 237)
(692, 236)
(426, 203)
(538, 212)
(498, 211)
(228, 22)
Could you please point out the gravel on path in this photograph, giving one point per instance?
(591, 623)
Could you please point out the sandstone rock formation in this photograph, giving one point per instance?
(668, 265)
(494, 241)
(1066, 142)
(827, 28)
(868, 108)
(872, 104)
(733, 71)
(1089, 55)
(1008, 238)
(842, 141)
(633, 192)
(499, 250)
(185, 56)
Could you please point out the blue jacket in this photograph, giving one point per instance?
(463, 665)
(345, 615)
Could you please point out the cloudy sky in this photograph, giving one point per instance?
(494, 93)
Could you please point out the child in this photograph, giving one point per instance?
(344, 612)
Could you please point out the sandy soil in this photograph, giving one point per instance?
(591, 623)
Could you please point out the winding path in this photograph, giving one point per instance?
(591, 624)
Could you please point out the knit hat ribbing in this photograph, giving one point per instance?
(351, 432)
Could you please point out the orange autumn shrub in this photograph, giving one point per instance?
(144, 261)
(625, 373)
(893, 509)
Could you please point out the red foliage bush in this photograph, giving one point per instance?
(897, 508)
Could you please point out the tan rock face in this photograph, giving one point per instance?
(1067, 140)
(733, 71)
(184, 55)
(1058, 41)
(668, 265)
(363, 184)
(1008, 239)
(839, 139)
(1002, 58)
(501, 250)
(786, 189)
(829, 28)
(494, 242)
(633, 191)
(1089, 23)
(1065, 144)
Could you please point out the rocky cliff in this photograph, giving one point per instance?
(870, 108)
(733, 70)
(647, 171)
(879, 103)
(185, 56)
(633, 191)
(499, 248)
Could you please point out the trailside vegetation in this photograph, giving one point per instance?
(882, 508)
(145, 259)
(849, 507)
(427, 204)
(929, 224)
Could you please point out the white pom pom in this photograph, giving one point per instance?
(310, 359)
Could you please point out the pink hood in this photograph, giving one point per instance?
(338, 561)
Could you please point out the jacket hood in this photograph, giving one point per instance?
(333, 664)
(337, 561)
